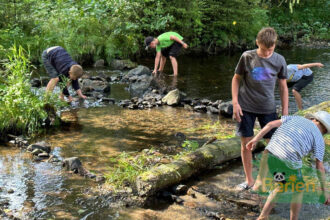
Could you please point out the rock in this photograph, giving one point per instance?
(100, 179)
(124, 103)
(43, 146)
(107, 89)
(216, 103)
(108, 100)
(99, 63)
(72, 164)
(35, 82)
(180, 189)
(188, 107)
(96, 85)
(172, 98)
(10, 191)
(226, 109)
(36, 152)
(43, 155)
(122, 64)
(87, 89)
(205, 101)
(134, 74)
(212, 110)
(200, 108)
(140, 86)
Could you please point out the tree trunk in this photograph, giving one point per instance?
(205, 157)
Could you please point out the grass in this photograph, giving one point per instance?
(22, 111)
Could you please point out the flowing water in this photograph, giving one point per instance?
(44, 190)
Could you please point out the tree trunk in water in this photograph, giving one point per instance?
(205, 157)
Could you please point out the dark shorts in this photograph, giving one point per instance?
(52, 72)
(281, 172)
(172, 50)
(301, 83)
(245, 127)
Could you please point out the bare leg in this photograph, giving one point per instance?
(247, 160)
(260, 183)
(297, 96)
(296, 205)
(162, 63)
(269, 205)
(174, 65)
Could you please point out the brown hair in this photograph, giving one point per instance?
(267, 36)
(76, 71)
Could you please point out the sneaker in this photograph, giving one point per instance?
(243, 186)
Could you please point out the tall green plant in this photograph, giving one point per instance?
(21, 110)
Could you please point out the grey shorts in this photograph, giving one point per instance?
(52, 72)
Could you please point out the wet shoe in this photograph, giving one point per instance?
(243, 186)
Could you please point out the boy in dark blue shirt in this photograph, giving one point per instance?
(58, 63)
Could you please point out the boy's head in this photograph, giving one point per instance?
(150, 42)
(322, 118)
(266, 41)
(75, 72)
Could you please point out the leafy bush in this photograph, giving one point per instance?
(21, 110)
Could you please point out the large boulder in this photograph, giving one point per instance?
(226, 109)
(122, 64)
(99, 63)
(134, 74)
(140, 86)
(172, 98)
(88, 85)
(42, 146)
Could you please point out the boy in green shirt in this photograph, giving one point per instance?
(167, 45)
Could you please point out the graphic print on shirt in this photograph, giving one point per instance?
(262, 73)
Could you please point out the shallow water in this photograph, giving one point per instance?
(44, 190)
(210, 77)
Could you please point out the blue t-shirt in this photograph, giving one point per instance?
(294, 74)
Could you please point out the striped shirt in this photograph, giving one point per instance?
(296, 138)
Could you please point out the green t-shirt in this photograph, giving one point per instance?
(165, 41)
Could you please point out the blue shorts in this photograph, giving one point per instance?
(245, 127)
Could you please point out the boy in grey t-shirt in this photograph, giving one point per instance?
(253, 88)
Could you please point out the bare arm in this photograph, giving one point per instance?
(321, 176)
(273, 124)
(51, 84)
(175, 38)
(309, 65)
(237, 111)
(157, 59)
(80, 94)
(284, 93)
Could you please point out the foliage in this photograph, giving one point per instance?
(309, 19)
(93, 29)
(127, 166)
(190, 145)
(21, 109)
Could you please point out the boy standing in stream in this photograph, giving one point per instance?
(167, 45)
(253, 87)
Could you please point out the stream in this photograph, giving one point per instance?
(41, 190)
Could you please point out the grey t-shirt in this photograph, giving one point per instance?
(256, 94)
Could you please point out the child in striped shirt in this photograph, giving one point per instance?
(295, 138)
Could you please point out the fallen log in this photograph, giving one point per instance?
(324, 106)
(206, 157)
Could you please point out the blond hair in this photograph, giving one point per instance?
(267, 36)
(76, 71)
